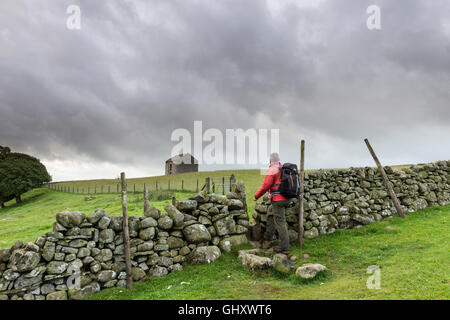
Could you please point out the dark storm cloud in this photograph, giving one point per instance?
(116, 89)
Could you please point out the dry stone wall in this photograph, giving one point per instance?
(350, 198)
(85, 253)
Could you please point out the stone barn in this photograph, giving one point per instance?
(181, 163)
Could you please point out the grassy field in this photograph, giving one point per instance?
(413, 259)
(252, 178)
(35, 216)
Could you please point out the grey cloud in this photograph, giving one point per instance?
(114, 90)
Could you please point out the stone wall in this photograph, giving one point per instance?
(193, 231)
(350, 198)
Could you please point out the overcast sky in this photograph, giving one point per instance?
(93, 102)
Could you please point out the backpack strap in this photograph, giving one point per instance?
(275, 191)
(276, 166)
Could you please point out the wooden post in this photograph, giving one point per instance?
(300, 198)
(213, 187)
(146, 202)
(207, 182)
(126, 234)
(223, 185)
(386, 180)
(231, 181)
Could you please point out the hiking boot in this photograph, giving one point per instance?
(278, 249)
(272, 238)
(266, 244)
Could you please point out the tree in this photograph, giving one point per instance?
(4, 150)
(19, 173)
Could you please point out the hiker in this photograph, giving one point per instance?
(276, 218)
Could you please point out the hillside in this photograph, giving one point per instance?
(421, 238)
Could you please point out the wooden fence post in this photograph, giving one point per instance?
(386, 181)
(213, 187)
(207, 184)
(126, 234)
(146, 202)
(223, 185)
(300, 198)
(196, 190)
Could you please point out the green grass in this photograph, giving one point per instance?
(414, 258)
(35, 216)
(252, 178)
(414, 261)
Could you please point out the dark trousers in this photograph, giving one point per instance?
(276, 220)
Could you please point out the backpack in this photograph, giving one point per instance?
(290, 183)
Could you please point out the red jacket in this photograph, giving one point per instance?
(271, 181)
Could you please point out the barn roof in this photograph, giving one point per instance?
(185, 158)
